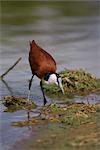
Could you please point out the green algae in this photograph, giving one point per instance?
(75, 82)
(13, 104)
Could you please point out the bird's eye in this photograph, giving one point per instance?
(58, 76)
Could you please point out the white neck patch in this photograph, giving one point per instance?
(52, 78)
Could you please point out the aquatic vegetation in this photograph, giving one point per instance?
(75, 82)
(75, 126)
(24, 123)
(13, 104)
(64, 126)
(86, 136)
(74, 114)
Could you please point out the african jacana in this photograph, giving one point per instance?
(44, 67)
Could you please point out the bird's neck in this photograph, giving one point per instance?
(47, 75)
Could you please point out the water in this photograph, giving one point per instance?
(68, 31)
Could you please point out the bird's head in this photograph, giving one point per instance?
(54, 78)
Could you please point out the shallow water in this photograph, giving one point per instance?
(72, 39)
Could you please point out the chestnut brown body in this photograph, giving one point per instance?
(40, 61)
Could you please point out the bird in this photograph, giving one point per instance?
(43, 66)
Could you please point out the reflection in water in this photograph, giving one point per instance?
(9, 89)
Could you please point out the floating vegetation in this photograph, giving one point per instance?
(13, 104)
(75, 82)
(74, 114)
(24, 123)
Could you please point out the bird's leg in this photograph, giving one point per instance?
(41, 85)
(30, 84)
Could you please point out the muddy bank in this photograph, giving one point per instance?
(60, 137)
(61, 128)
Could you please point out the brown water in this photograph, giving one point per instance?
(67, 30)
